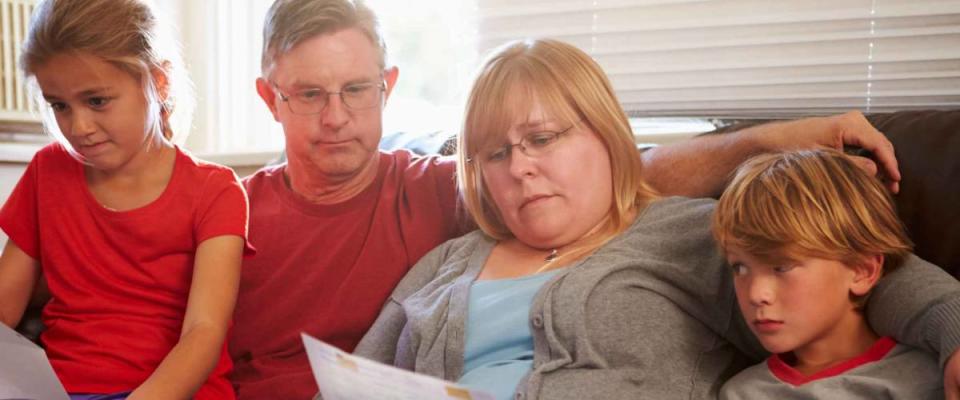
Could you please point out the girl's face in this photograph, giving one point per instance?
(100, 109)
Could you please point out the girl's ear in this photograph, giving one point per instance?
(866, 274)
(161, 81)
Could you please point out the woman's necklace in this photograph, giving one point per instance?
(548, 261)
(554, 254)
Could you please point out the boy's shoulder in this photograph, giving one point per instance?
(903, 373)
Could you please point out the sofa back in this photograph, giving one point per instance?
(927, 145)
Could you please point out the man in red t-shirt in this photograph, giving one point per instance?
(340, 223)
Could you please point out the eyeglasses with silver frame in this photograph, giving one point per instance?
(356, 96)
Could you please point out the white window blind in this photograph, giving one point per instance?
(750, 58)
(431, 41)
(222, 41)
(15, 104)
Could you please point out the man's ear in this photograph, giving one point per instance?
(866, 274)
(265, 90)
(390, 76)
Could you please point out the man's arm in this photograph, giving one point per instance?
(702, 166)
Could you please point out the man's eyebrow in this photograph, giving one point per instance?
(302, 84)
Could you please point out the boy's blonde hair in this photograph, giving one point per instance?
(125, 33)
(572, 88)
(812, 203)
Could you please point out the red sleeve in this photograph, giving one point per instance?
(19, 215)
(223, 209)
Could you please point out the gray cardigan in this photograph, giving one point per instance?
(652, 314)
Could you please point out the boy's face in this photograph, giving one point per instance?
(799, 305)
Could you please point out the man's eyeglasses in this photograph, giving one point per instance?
(357, 96)
(533, 144)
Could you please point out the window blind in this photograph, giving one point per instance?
(752, 59)
(16, 108)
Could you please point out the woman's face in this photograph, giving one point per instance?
(549, 195)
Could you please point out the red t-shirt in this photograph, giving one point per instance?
(327, 269)
(119, 281)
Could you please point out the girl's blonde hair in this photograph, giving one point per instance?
(812, 203)
(125, 33)
(572, 88)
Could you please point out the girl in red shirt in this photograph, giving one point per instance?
(139, 243)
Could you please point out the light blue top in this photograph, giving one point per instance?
(499, 347)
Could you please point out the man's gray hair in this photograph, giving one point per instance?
(290, 22)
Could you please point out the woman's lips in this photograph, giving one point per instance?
(534, 200)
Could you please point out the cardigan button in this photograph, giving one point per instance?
(537, 321)
(518, 396)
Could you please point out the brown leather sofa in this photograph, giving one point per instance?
(927, 144)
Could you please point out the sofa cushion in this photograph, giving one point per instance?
(927, 145)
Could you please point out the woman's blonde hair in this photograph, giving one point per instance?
(811, 203)
(571, 87)
(125, 33)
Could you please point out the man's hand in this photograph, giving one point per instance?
(702, 166)
(837, 131)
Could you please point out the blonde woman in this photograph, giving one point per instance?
(581, 283)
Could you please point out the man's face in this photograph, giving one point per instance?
(336, 140)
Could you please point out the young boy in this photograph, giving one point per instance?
(807, 235)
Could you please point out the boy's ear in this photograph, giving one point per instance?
(866, 274)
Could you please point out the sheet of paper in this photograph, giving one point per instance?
(25, 372)
(342, 376)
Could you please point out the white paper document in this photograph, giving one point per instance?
(25, 372)
(342, 376)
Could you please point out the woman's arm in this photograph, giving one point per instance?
(701, 167)
(18, 276)
(919, 305)
(213, 293)
(381, 341)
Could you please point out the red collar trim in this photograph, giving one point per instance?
(788, 374)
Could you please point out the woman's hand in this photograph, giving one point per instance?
(951, 377)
